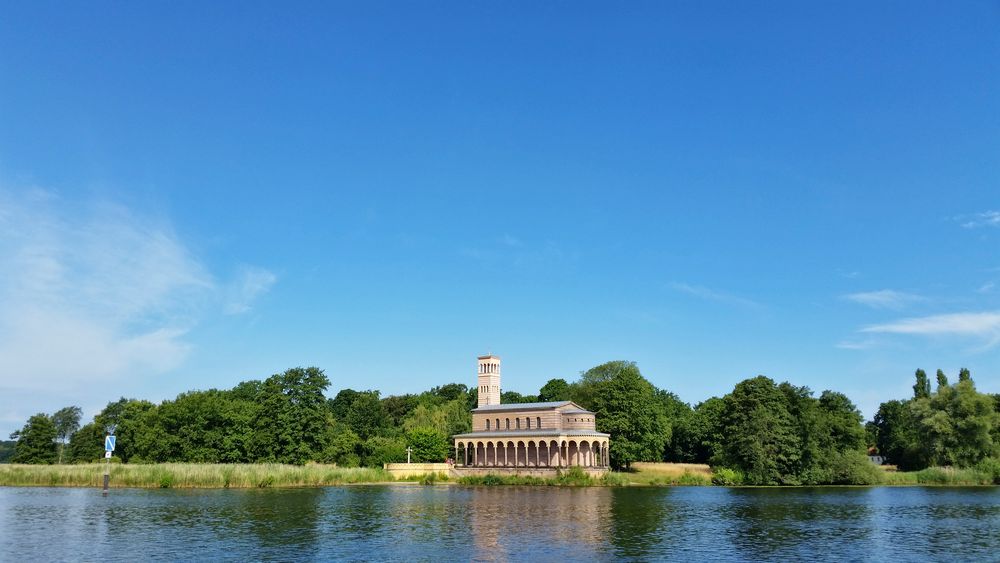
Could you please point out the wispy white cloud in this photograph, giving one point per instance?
(251, 284)
(95, 296)
(714, 295)
(981, 325)
(986, 287)
(91, 293)
(984, 219)
(884, 299)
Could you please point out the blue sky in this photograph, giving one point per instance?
(193, 195)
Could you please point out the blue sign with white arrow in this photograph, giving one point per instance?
(109, 443)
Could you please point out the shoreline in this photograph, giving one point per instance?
(280, 476)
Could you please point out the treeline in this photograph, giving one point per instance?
(760, 433)
(951, 425)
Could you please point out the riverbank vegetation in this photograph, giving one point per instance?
(189, 475)
(761, 433)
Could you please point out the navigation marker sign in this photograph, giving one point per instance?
(109, 443)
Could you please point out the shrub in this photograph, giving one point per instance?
(852, 468)
(693, 479)
(990, 467)
(614, 479)
(726, 477)
(573, 477)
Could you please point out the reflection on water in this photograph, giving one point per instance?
(502, 524)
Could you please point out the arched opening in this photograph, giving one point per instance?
(487, 424)
(511, 459)
(498, 424)
(508, 423)
(538, 422)
(527, 422)
(517, 422)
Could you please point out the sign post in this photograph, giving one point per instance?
(409, 450)
(109, 446)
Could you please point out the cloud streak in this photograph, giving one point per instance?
(93, 292)
(90, 296)
(251, 284)
(984, 219)
(714, 295)
(982, 325)
(884, 299)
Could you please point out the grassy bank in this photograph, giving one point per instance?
(939, 476)
(189, 475)
(244, 476)
(572, 477)
(652, 474)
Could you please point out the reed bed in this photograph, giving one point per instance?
(948, 476)
(189, 475)
(661, 474)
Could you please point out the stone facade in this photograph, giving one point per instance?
(517, 437)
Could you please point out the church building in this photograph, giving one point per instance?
(528, 437)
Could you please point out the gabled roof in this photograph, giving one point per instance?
(530, 406)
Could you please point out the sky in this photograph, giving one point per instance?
(196, 194)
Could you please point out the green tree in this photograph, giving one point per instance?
(701, 439)
(895, 435)
(760, 433)
(511, 397)
(7, 450)
(679, 415)
(922, 388)
(36, 442)
(964, 375)
(379, 450)
(627, 408)
(398, 407)
(555, 390)
(293, 421)
(87, 443)
(365, 415)
(342, 446)
(942, 379)
(450, 391)
(956, 425)
(67, 421)
(130, 426)
(448, 419)
(428, 445)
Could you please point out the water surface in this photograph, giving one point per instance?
(424, 523)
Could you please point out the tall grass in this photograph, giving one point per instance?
(572, 477)
(938, 476)
(189, 475)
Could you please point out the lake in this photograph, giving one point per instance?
(424, 523)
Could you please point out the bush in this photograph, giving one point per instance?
(852, 468)
(614, 479)
(693, 479)
(990, 467)
(726, 477)
(573, 477)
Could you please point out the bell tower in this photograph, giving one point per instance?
(489, 380)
